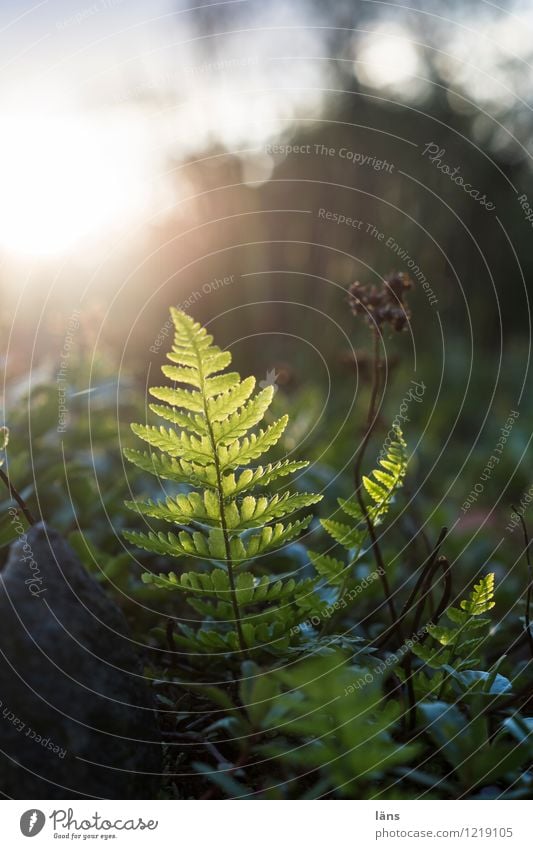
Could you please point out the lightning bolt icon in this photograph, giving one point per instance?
(33, 820)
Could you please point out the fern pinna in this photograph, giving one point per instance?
(218, 518)
(380, 488)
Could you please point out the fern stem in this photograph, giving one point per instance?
(455, 651)
(222, 511)
(446, 676)
(229, 560)
(370, 424)
(17, 497)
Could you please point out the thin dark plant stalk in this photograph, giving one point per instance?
(430, 570)
(442, 607)
(371, 420)
(422, 586)
(17, 497)
(371, 417)
(527, 615)
(444, 563)
(411, 698)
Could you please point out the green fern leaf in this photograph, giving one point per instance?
(327, 567)
(220, 519)
(380, 488)
(458, 645)
(481, 598)
(344, 534)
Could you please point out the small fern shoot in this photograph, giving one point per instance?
(220, 519)
(454, 648)
(380, 488)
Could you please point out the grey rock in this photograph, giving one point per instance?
(76, 718)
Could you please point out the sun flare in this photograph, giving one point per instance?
(387, 57)
(66, 179)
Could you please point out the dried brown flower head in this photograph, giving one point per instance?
(384, 304)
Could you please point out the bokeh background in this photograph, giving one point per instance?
(157, 153)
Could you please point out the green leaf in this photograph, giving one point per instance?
(333, 570)
(242, 451)
(460, 643)
(477, 681)
(481, 598)
(219, 519)
(380, 487)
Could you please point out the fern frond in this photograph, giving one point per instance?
(455, 647)
(380, 487)
(219, 519)
(351, 530)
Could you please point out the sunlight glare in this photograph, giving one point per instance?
(65, 178)
(386, 58)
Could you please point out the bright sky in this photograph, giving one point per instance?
(95, 96)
